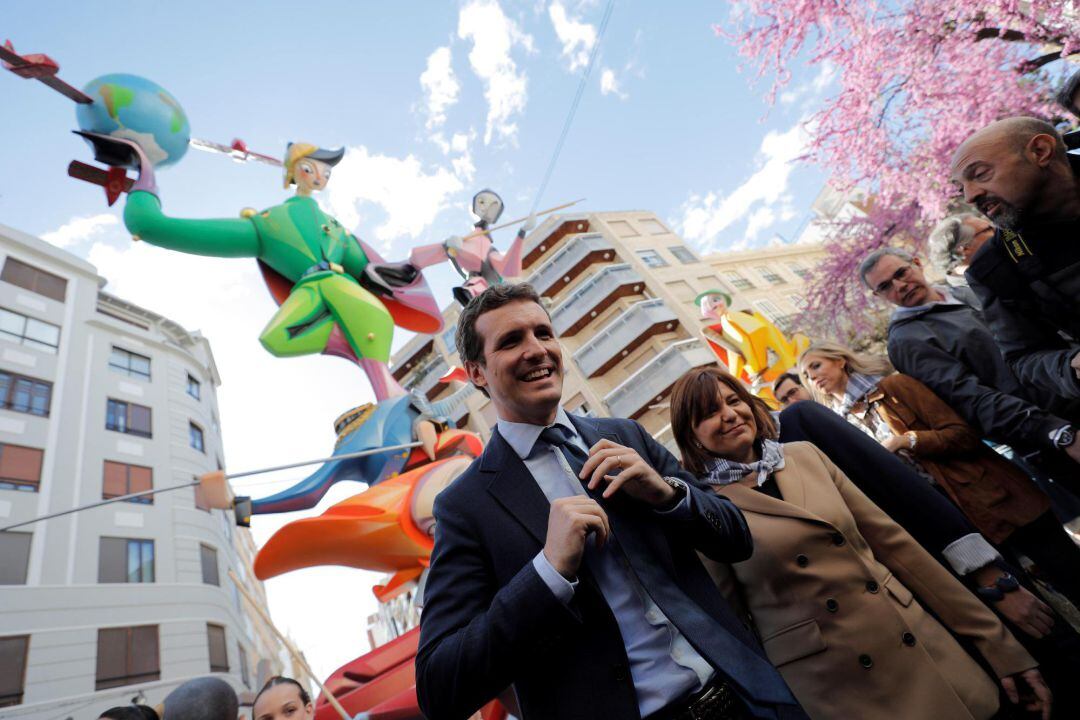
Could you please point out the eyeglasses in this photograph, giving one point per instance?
(901, 274)
(787, 397)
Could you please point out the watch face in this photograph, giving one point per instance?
(1065, 437)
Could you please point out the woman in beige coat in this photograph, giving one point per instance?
(832, 584)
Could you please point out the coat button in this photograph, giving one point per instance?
(831, 605)
(908, 639)
(802, 560)
(620, 672)
(866, 661)
(838, 539)
(872, 586)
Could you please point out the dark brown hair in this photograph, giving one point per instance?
(695, 397)
(469, 342)
(282, 680)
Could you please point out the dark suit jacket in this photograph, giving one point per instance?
(893, 486)
(489, 620)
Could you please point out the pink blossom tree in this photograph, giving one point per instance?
(915, 78)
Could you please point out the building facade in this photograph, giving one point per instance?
(101, 398)
(620, 287)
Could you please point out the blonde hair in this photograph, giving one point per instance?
(296, 152)
(862, 363)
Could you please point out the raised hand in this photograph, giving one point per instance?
(621, 469)
(570, 521)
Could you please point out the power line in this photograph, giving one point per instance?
(574, 104)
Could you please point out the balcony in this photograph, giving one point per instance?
(628, 331)
(537, 244)
(570, 261)
(414, 358)
(593, 296)
(426, 377)
(651, 383)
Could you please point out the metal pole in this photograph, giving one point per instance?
(346, 456)
(121, 498)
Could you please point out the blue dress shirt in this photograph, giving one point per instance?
(663, 664)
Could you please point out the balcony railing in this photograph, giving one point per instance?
(651, 383)
(426, 377)
(570, 261)
(544, 238)
(628, 331)
(593, 296)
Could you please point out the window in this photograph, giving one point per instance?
(126, 656)
(20, 467)
(770, 310)
(31, 278)
(194, 387)
(449, 338)
(244, 672)
(797, 300)
(14, 558)
(769, 275)
(129, 363)
(24, 394)
(125, 560)
(13, 651)
(128, 418)
(122, 479)
(683, 254)
(738, 281)
(195, 437)
(651, 258)
(208, 560)
(28, 331)
(219, 655)
(799, 270)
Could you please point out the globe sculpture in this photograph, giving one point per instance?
(132, 107)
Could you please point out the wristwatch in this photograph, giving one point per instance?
(996, 592)
(680, 491)
(1063, 437)
(911, 439)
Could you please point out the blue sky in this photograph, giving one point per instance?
(434, 100)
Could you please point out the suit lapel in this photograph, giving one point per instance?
(791, 487)
(513, 487)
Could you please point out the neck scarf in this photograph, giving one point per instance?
(859, 385)
(725, 472)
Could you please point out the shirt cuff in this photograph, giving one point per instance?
(683, 509)
(969, 553)
(562, 588)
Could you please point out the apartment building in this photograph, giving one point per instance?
(620, 287)
(100, 398)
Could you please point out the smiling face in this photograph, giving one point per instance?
(900, 282)
(827, 374)
(522, 368)
(282, 702)
(310, 175)
(729, 431)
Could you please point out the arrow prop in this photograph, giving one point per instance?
(474, 233)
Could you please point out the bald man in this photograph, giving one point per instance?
(1017, 173)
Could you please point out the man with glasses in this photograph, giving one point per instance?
(789, 390)
(938, 336)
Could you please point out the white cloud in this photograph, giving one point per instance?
(813, 90)
(440, 86)
(409, 196)
(493, 36)
(80, 229)
(577, 38)
(609, 84)
(704, 217)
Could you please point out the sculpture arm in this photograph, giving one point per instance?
(508, 265)
(226, 237)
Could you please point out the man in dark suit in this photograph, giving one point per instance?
(565, 564)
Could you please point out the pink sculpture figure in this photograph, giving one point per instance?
(474, 256)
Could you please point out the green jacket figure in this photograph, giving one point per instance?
(336, 295)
